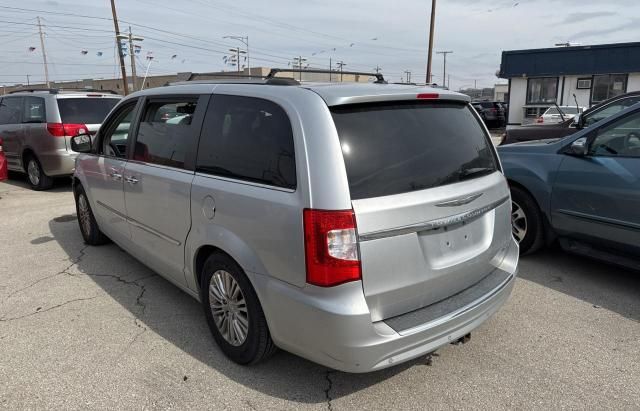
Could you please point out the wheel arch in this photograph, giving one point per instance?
(549, 234)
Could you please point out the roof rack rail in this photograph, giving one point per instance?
(379, 77)
(58, 90)
(231, 78)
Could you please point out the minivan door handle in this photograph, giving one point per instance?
(116, 176)
(131, 179)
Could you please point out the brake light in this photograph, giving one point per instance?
(71, 130)
(1, 150)
(331, 247)
(427, 96)
(540, 120)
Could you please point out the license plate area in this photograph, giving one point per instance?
(457, 243)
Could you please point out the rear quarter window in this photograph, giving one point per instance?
(85, 110)
(399, 147)
(248, 139)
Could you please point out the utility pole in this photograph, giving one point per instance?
(431, 30)
(125, 85)
(244, 40)
(330, 69)
(298, 61)
(44, 54)
(408, 73)
(28, 80)
(131, 38)
(238, 51)
(341, 64)
(444, 73)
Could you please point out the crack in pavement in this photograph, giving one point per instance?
(65, 270)
(327, 391)
(38, 311)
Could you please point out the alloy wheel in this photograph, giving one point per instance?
(34, 172)
(84, 214)
(228, 308)
(518, 222)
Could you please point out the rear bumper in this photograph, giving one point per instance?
(58, 163)
(333, 326)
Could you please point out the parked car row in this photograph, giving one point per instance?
(382, 212)
(571, 125)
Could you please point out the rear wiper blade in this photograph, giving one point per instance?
(474, 172)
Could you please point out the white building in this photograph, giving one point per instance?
(539, 78)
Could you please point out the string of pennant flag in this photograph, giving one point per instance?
(137, 50)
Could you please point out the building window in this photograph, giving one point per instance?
(584, 84)
(608, 85)
(542, 90)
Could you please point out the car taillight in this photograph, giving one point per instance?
(1, 145)
(71, 130)
(540, 120)
(331, 247)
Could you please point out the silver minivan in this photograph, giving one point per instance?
(36, 125)
(355, 225)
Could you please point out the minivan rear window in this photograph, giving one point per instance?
(87, 110)
(397, 147)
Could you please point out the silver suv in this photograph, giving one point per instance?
(36, 125)
(358, 226)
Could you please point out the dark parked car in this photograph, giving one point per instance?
(583, 190)
(589, 117)
(492, 112)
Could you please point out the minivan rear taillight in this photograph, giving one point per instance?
(71, 130)
(331, 247)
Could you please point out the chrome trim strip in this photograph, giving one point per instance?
(152, 231)
(432, 224)
(140, 225)
(119, 214)
(459, 201)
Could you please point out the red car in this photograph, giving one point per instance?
(3, 163)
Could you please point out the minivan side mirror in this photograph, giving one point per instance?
(81, 143)
(579, 147)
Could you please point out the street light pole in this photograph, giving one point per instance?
(431, 30)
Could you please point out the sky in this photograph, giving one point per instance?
(188, 35)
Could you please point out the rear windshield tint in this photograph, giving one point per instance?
(87, 110)
(399, 147)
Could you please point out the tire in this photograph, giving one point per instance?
(38, 180)
(88, 225)
(252, 342)
(526, 221)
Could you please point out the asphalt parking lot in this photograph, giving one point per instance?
(90, 327)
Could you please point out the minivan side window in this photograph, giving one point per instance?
(248, 139)
(115, 134)
(11, 110)
(165, 132)
(34, 111)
